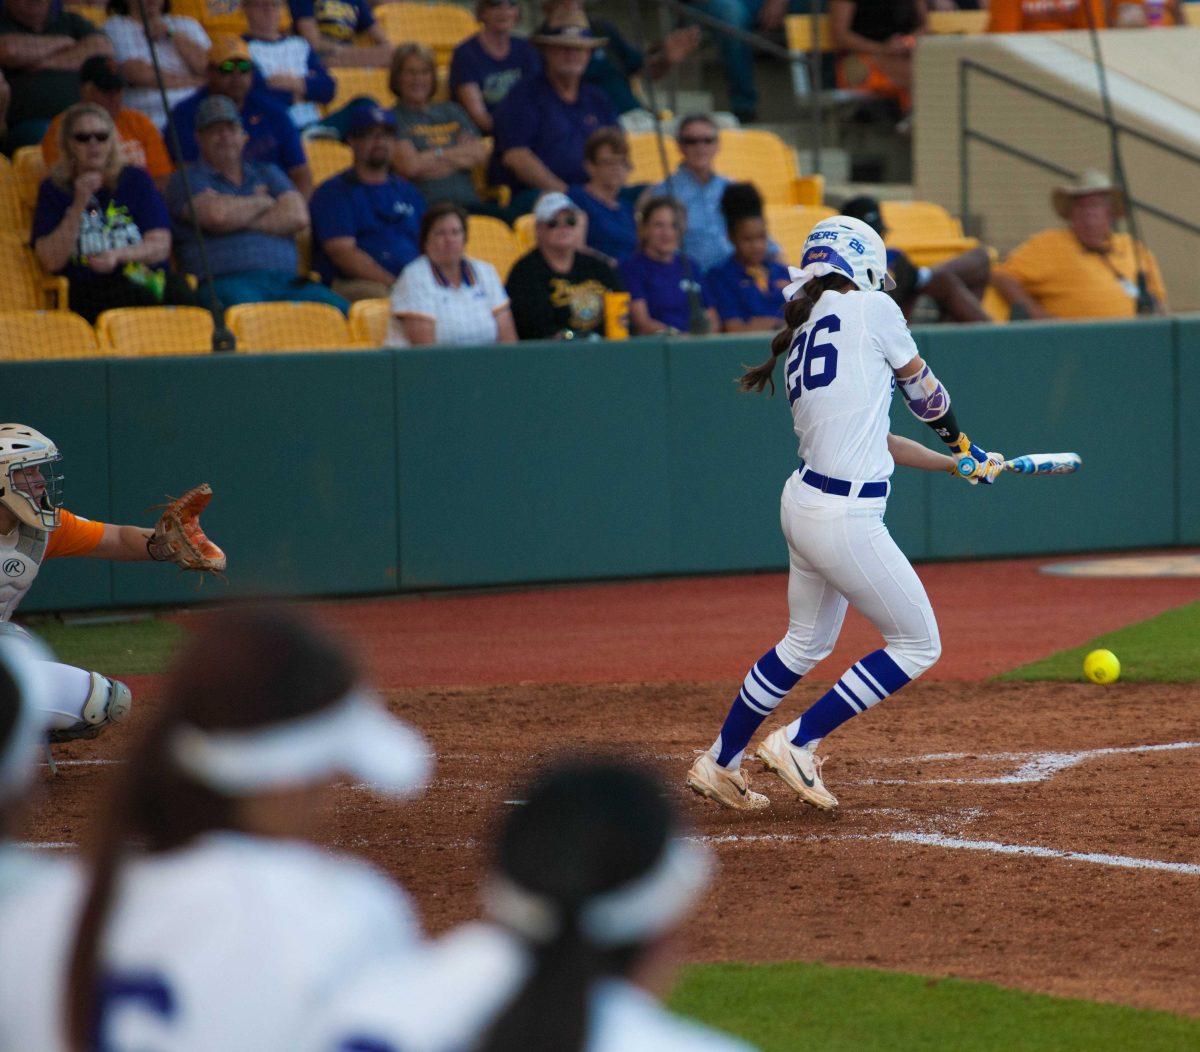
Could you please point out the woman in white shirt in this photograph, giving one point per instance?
(445, 296)
(181, 44)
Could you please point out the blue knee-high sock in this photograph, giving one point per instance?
(863, 685)
(762, 690)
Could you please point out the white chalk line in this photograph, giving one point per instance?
(48, 845)
(83, 763)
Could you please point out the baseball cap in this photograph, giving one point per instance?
(549, 205)
(102, 71)
(228, 48)
(217, 109)
(366, 114)
(567, 29)
(866, 208)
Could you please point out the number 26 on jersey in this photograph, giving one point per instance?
(813, 360)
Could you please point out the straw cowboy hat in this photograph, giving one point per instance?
(567, 29)
(1089, 182)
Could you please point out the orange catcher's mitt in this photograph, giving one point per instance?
(178, 537)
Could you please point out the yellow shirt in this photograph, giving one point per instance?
(1071, 282)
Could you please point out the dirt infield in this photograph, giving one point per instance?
(1039, 836)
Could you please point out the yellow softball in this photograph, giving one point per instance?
(1102, 666)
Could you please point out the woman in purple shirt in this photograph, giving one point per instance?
(666, 294)
(484, 67)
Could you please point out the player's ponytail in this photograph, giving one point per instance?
(795, 314)
(240, 670)
(591, 836)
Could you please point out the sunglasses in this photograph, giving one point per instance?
(568, 220)
(697, 140)
(239, 65)
(86, 137)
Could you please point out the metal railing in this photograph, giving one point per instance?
(967, 134)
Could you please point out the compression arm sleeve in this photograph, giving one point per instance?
(929, 402)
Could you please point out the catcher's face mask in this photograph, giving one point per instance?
(32, 491)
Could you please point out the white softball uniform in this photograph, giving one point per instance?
(443, 999)
(839, 379)
(230, 943)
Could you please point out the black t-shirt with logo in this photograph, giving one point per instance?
(546, 303)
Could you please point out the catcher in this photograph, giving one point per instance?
(34, 527)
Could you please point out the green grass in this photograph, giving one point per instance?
(129, 648)
(797, 1006)
(1164, 649)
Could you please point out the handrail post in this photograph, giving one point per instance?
(964, 164)
(815, 83)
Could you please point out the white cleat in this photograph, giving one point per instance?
(727, 788)
(799, 767)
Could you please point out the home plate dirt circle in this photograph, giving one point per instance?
(1170, 565)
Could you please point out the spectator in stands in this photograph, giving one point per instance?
(439, 145)
(484, 68)
(250, 214)
(613, 65)
(366, 221)
(331, 27)
(1085, 269)
(42, 48)
(180, 43)
(445, 296)
(273, 138)
(696, 185)
(534, 155)
(605, 199)
(558, 289)
(666, 291)
(294, 74)
(956, 285)
(1036, 16)
(880, 36)
(737, 58)
(101, 84)
(1138, 14)
(746, 290)
(102, 223)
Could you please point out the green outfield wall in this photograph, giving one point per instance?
(369, 472)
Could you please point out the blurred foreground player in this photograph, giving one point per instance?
(204, 917)
(35, 527)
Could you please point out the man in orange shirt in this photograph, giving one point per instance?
(1082, 270)
(1040, 16)
(33, 528)
(100, 83)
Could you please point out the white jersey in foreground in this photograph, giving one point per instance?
(231, 943)
(443, 998)
(838, 376)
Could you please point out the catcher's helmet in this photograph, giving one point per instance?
(845, 245)
(35, 501)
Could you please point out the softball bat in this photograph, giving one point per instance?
(1031, 464)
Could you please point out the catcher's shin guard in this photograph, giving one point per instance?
(108, 701)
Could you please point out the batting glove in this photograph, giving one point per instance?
(975, 464)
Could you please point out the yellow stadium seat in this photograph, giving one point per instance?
(919, 221)
(764, 159)
(968, 22)
(288, 327)
(94, 13)
(646, 159)
(30, 170)
(14, 219)
(369, 322)
(931, 253)
(326, 158)
(525, 230)
(352, 82)
(25, 285)
(800, 33)
(440, 27)
(155, 331)
(996, 305)
(492, 240)
(789, 225)
(1191, 14)
(39, 335)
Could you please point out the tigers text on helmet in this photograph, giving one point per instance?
(847, 246)
(30, 486)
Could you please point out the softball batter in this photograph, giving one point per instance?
(34, 527)
(847, 347)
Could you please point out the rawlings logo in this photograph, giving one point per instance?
(13, 567)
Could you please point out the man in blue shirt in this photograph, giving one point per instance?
(367, 219)
(696, 185)
(272, 138)
(249, 213)
(545, 120)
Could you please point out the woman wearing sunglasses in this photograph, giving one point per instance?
(179, 42)
(557, 290)
(102, 223)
